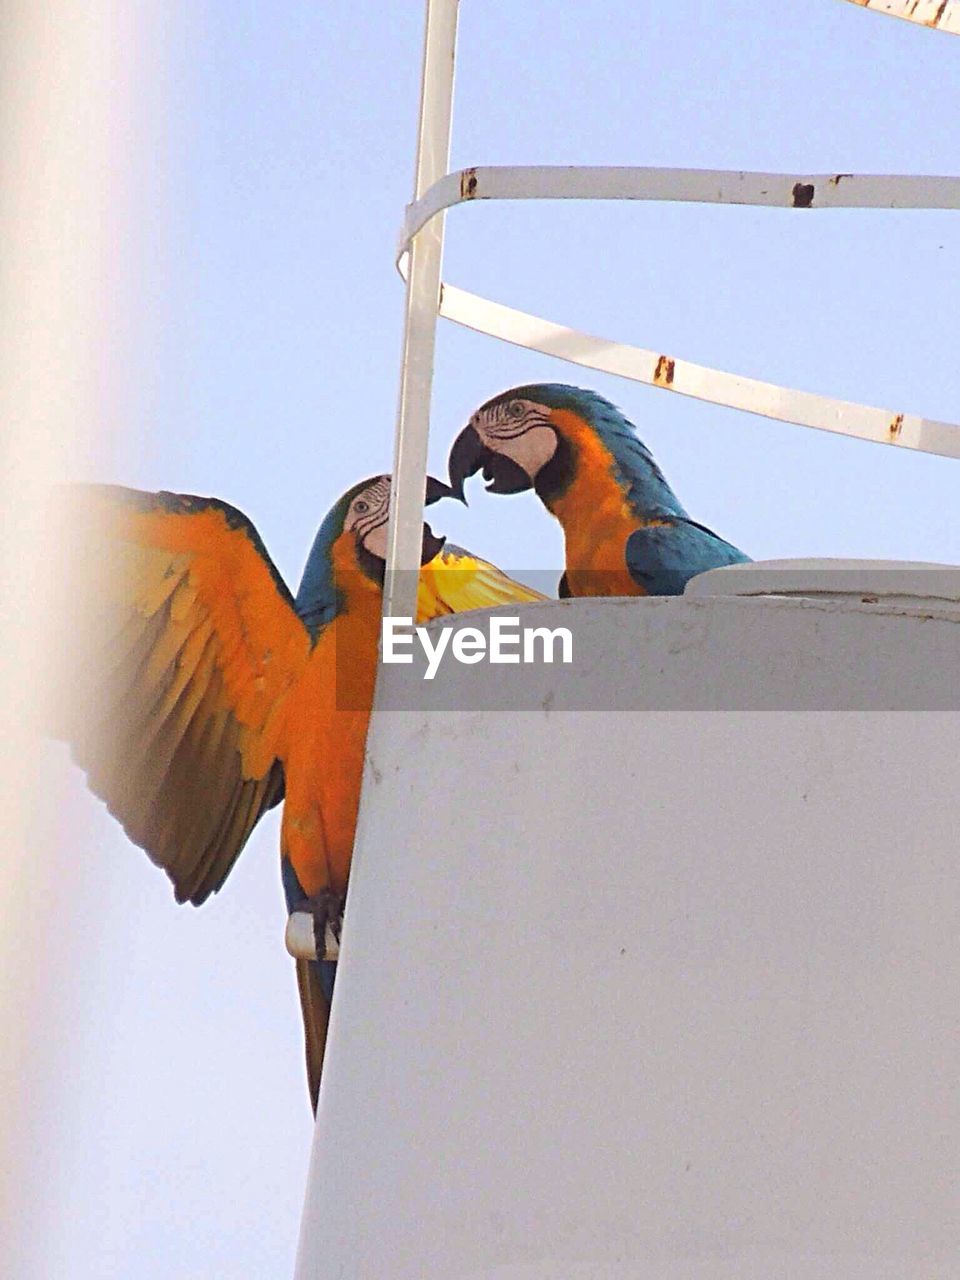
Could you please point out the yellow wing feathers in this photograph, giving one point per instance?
(455, 581)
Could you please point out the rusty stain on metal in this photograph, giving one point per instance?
(663, 373)
(945, 17)
(712, 386)
(468, 184)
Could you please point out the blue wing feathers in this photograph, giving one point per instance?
(663, 558)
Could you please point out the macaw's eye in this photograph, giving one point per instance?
(360, 506)
(515, 409)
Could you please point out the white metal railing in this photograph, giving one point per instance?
(657, 368)
(420, 258)
(942, 15)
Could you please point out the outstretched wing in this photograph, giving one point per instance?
(455, 581)
(184, 648)
(663, 558)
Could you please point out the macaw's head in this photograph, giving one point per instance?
(351, 547)
(540, 436)
(363, 512)
(512, 437)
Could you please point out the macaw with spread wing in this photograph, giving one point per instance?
(625, 530)
(205, 693)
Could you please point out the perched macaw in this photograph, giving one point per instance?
(205, 693)
(625, 530)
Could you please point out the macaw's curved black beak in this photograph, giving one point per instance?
(466, 459)
(469, 454)
(431, 544)
(436, 490)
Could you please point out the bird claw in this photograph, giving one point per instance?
(326, 908)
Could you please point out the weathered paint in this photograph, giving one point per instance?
(941, 15)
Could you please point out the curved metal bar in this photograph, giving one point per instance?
(941, 15)
(657, 368)
(684, 186)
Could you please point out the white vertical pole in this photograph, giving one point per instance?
(420, 325)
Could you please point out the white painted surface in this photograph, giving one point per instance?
(898, 580)
(670, 994)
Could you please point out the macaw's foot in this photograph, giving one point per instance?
(326, 908)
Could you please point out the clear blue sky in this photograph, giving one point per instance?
(265, 326)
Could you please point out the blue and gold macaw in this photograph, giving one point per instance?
(205, 693)
(625, 530)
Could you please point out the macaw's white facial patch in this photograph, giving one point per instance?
(532, 450)
(367, 515)
(519, 430)
(376, 541)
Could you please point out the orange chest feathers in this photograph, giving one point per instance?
(595, 516)
(325, 741)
